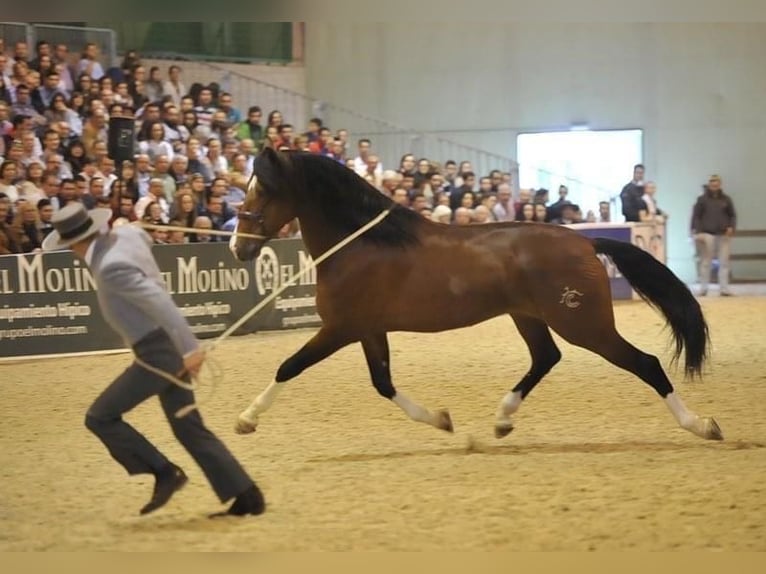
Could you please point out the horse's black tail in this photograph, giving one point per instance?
(658, 286)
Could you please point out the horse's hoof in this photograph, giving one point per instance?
(503, 429)
(444, 421)
(245, 426)
(713, 431)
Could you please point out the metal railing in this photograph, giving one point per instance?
(389, 141)
(75, 37)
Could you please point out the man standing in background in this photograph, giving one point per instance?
(713, 223)
(632, 193)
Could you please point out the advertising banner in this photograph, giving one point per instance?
(48, 301)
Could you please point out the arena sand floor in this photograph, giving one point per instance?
(595, 462)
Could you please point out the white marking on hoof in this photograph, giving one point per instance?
(245, 425)
(705, 428)
(509, 405)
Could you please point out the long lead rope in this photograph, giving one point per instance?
(216, 373)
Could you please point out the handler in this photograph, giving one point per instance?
(135, 303)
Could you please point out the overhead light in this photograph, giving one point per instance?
(579, 128)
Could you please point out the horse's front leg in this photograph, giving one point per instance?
(321, 346)
(377, 355)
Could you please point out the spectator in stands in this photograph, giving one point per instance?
(155, 145)
(400, 197)
(541, 212)
(371, 173)
(251, 128)
(503, 209)
(364, 146)
(271, 139)
(23, 106)
(312, 132)
(423, 172)
(61, 59)
(275, 119)
(555, 208)
(389, 181)
(604, 212)
(215, 158)
(176, 237)
(285, 136)
(26, 228)
(202, 222)
(714, 221)
(58, 111)
(31, 189)
(8, 240)
(94, 130)
(154, 89)
(156, 194)
(526, 212)
(481, 214)
(162, 172)
(632, 193)
(569, 214)
(184, 209)
(407, 164)
(441, 214)
(226, 104)
(125, 209)
(42, 49)
(89, 63)
(205, 108)
(42, 97)
(8, 176)
(463, 216)
(45, 214)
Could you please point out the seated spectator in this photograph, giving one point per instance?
(156, 194)
(481, 214)
(441, 214)
(8, 176)
(172, 87)
(541, 212)
(184, 209)
(226, 105)
(31, 189)
(177, 237)
(9, 242)
(155, 145)
(526, 212)
(89, 63)
(251, 128)
(568, 215)
(503, 209)
(26, 228)
(45, 215)
(202, 222)
(463, 216)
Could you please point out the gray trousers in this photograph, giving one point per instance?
(132, 450)
(707, 246)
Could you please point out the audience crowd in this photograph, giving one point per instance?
(194, 151)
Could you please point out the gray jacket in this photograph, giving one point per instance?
(131, 293)
(713, 213)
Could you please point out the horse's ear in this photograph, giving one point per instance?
(270, 168)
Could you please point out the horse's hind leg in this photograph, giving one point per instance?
(326, 342)
(377, 355)
(545, 354)
(591, 326)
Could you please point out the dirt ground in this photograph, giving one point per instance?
(595, 461)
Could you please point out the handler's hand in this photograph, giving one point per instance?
(193, 362)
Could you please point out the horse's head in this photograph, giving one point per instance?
(267, 207)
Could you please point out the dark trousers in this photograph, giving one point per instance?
(132, 450)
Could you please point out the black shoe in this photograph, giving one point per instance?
(248, 502)
(168, 481)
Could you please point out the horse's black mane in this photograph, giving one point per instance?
(347, 201)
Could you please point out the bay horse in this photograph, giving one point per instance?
(410, 274)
